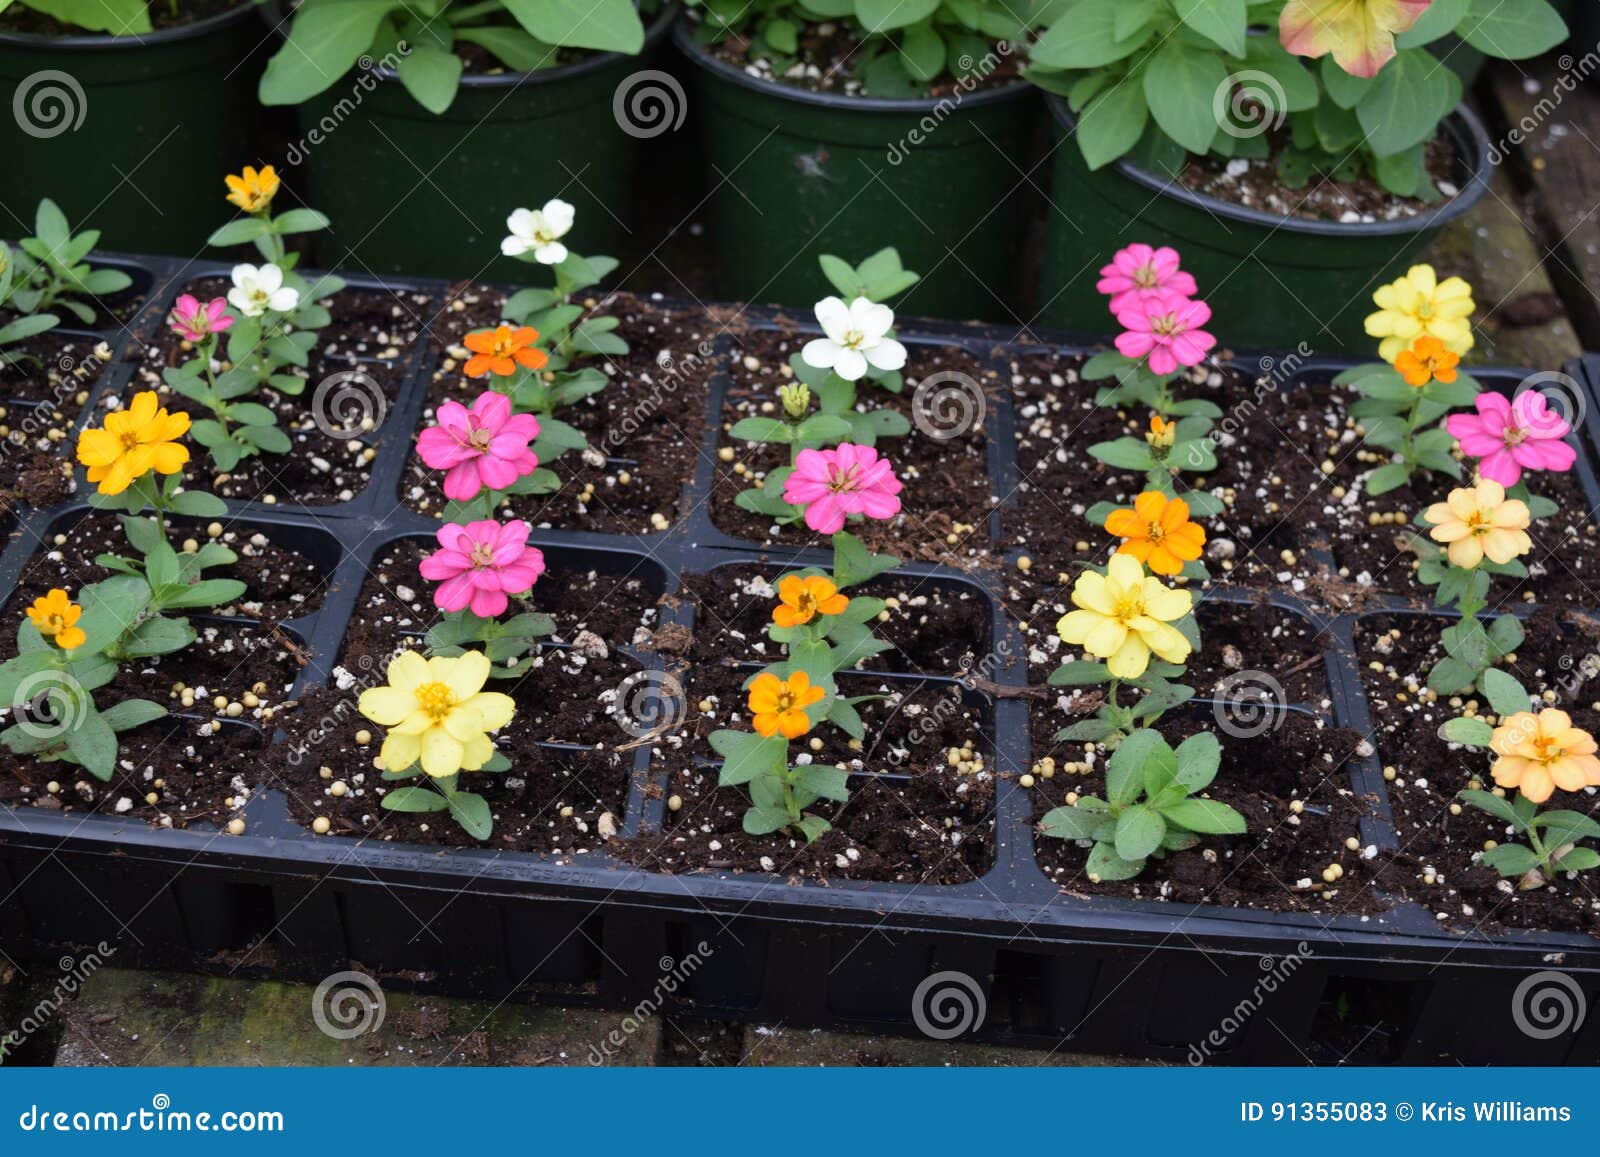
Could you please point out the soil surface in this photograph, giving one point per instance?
(947, 492)
(1558, 659)
(644, 428)
(1256, 184)
(1276, 865)
(280, 583)
(63, 369)
(827, 61)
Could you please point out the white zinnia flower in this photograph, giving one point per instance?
(540, 230)
(258, 289)
(856, 338)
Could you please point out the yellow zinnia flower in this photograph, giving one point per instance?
(1162, 433)
(253, 191)
(132, 443)
(801, 599)
(1123, 617)
(56, 617)
(436, 710)
(1539, 753)
(778, 706)
(1478, 522)
(1420, 305)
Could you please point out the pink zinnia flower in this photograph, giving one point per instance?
(484, 446)
(1167, 327)
(480, 564)
(1140, 272)
(848, 479)
(1510, 436)
(195, 321)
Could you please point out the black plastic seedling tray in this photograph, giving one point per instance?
(1173, 981)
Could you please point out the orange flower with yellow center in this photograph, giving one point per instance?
(803, 599)
(779, 705)
(56, 617)
(1162, 433)
(1427, 361)
(1539, 753)
(501, 350)
(1157, 532)
(133, 442)
(253, 191)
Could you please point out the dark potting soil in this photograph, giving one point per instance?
(194, 767)
(828, 58)
(937, 628)
(62, 370)
(644, 428)
(1256, 184)
(947, 493)
(553, 800)
(1276, 865)
(34, 471)
(163, 14)
(280, 583)
(1559, 656)
(925, 821)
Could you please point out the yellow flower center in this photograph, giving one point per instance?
(786, 701)
(52, 625)
(130, 439)
(1145, 276)
(842, 481)
(479, 438)
(482, 554)
(1154, 532)
(436, 699)
(852, 339)
(806, 604)
(1515, 435)
(1480, 522)
(1129, 607)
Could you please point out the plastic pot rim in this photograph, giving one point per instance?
(683, 37)
(102, 42)
(1462, 124)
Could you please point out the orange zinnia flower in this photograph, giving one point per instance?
(779, 705)
(1162, 433)
(56, 617)
(501, 350)
(1427, 361)
(803, 599)
(1157, 532)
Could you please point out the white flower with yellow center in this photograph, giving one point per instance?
(1124, 617)
(857, 337)
(539, 231)
(436, 710)
(257, 289)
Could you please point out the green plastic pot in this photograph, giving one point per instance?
(415, 193)
(130, 135)
(799, 173)
(1271, 281)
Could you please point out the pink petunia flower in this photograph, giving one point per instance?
(849, 479)
(1140, 272)
(480, 564)
(1167, 328)
(1510, 436)
(195, 321)
(486, 446)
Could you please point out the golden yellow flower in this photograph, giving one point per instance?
(56, 617)
(1124, 616)
(1420, 305)
(436, 710)
(801, 599)
(1478, 522)
(1539, 753)
(1158, 532)
(132, 443)
(778, 706)
(253, 191)
(1162, 433)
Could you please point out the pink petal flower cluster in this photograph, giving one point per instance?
(485, 446)
(195, 321)
(848, 479)
(1508, 436)
(1151, 300)
(480, 564)
(1140, 272)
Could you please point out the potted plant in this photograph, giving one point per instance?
(908, 115)
(469, 107)
(1296, 166)
(158, 94)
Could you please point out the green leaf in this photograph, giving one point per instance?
(1124, 453)
(1207, 816)
(1409, 97)
(823, 781)
(1180, 87)
(1140, 831)
(197, 504)
(1105, 864)
(1504, 693)
(604, 25)
(516, 49)
(1511, 860)
(1497, 806)
(1579, 860)
(92, 742)
(747, 755)
(240, 232)
(1070, 823)
(1085, 38)
(126, 714)
(158, 636)
(1198, 759)
(1470, 732)
(1125, 769)
(762, 430)
(1220, 21)
(1112, 122)
(1513, 29)
(414, 798)
(324, 42)
(471, 811)
(1080, 673)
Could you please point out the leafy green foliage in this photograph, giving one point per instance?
(1153, 805)
(51, 270)
(1403, 421)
